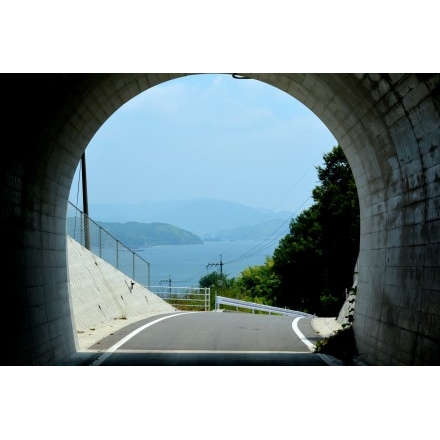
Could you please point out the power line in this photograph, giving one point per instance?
(167, 281)
(264, 244)
(217, 264)
(193, 277)
(261, 246)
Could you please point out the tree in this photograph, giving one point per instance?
(221, 282)
(215, 279)
(298, 262)
(315, 261)
(338, 203)
(257, 283)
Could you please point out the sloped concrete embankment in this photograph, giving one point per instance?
(103, 298)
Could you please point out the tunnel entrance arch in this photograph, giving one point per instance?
(388, 126)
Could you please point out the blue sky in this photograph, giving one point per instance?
(208, 136)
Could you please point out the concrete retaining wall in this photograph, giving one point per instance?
(102, 295)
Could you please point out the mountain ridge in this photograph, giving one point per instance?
(203, 217)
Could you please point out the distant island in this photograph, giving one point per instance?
(136, 235)
(208, 218)
(149, 224)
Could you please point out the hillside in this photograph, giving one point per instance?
(204, 217)
(136, 235)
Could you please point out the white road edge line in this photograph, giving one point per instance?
(114, 347)
(327, 359)
(300, 335)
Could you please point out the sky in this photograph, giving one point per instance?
(207, 136)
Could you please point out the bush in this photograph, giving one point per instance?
(341, 345)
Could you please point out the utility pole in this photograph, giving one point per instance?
(85, 202)
(169, 282)
(217, 264)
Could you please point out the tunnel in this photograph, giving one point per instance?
(388, 126)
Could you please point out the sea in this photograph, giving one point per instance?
(184, 265)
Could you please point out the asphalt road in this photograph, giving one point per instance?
(208, 338)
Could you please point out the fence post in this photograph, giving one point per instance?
(133, 265)
(100, 241)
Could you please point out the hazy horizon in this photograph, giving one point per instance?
(207, 136)
(184, 201)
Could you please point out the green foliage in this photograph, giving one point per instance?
(341, 345)
(328, 303)
(215, 279)
(220, 284)
(258, 283)
(314, 262)
(254, 284)
(186, 301)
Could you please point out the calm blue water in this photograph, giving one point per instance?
(186, 264)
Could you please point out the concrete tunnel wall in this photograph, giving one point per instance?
(387, 124)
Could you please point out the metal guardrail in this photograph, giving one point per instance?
(96, 239)
(219, 300)
(185, 298)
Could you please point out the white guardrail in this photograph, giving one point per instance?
(219, 300)
(184, 298)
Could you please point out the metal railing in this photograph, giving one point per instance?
(185, 298)
(96, 239)
(219, 300)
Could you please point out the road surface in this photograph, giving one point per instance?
(210, 338)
